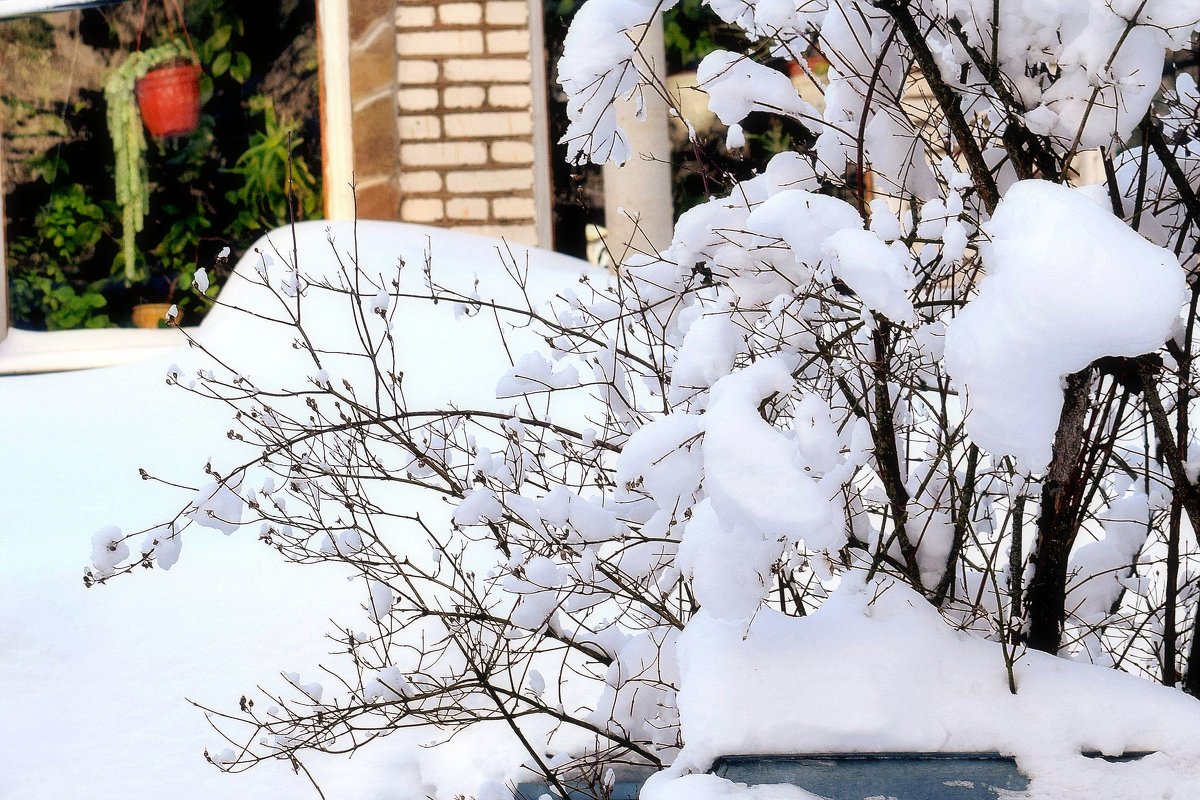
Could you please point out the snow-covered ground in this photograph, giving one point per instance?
(95, 683)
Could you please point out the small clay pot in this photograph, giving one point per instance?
(153, 315)
(169, 99)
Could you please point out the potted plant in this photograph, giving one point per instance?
(177, 282)
(125, 122)
(169, 99)
(156, 297)
(154, 315)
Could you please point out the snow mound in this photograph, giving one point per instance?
(1067, 283)
(876, 669)
(93, 681)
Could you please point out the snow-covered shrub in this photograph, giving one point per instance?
(964, 376)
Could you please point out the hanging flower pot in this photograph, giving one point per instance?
(126, 98)
(169, 99)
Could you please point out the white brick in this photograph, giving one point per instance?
(507, 12)
(467, 208)
(495, 180)
(500, 70)
(512, 152)
(431, 154)
(487, 123)
(460, 13)
(422, 181)
(421, 209)
(513, 41)
(409, 71)
(414, 17)
(515, 96)
(420, 127)
(513, 208)
(463, 97)
(417, 99)
(439, 43)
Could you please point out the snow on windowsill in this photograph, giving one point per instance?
(25, 352)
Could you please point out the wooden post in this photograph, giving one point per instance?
(337, 153)
(4, 318)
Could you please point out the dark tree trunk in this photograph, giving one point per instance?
(1191, 679)
(887, 457)
(1186, 494)
(1046, 599)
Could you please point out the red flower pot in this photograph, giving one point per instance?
(169, 98)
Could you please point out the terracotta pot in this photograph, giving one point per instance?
(153, 315)
(169, 99)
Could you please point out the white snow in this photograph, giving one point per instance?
(599, 68)
(877, 273)
(534, 373)
(1099, 569)
(94, 683)
(1067, 283)
(875, 668)
(218, 506)
(381, 601)
(737, 85)
(108, 549)
(739, 474)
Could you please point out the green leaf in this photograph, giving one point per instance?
(221, 64)
(220, 37)
(206, 88)
(241, 68)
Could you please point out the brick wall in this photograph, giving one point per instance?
(464, 116)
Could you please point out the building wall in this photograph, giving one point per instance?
(465, 121)
(373, 108)
(445, 130)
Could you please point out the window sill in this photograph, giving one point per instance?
(26, 352)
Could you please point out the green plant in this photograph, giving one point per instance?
(176, 253)
(216, 54)
(274, 175)
(46, 287)
(129, 145)
(690, 32)
(59, 304)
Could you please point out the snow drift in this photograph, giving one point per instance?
(876, 669)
